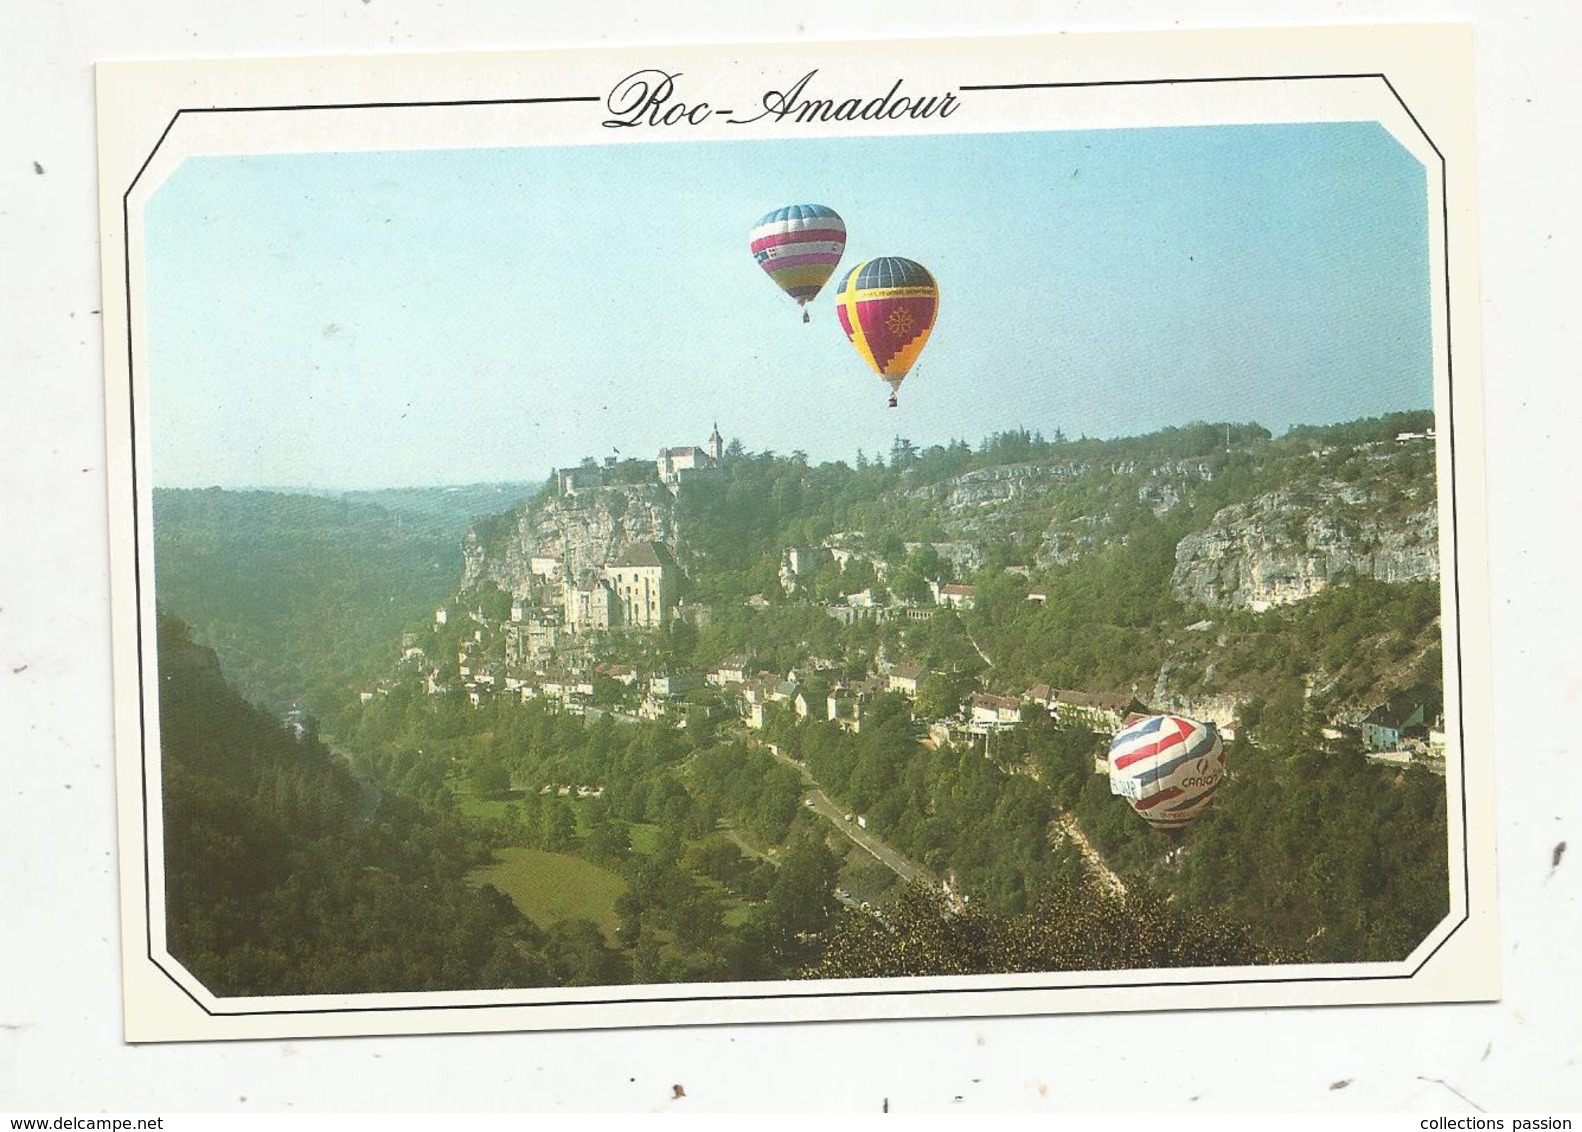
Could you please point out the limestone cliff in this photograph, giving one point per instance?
(581, 531)
(1080, 505)
(1286, 546)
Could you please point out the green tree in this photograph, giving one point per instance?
(908, 585)
(491, 780)
(610, 840)
(557, 825)
(802, 898)
(941, 694)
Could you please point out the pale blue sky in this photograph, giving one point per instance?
(395, 319)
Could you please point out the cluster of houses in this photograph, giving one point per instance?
(636, 586)
(797, 563)
(637, 589)
(549, 650)
(1391, 733)
(846, 701)
(572, 687)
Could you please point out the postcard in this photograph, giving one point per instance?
(867, 530)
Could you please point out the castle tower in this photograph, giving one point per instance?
(716, 444)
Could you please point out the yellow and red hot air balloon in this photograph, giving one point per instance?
(887, 308)
(798, 247)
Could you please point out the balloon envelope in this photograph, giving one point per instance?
(887, 308)
(1168, 768)
(798, 247)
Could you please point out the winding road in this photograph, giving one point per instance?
(1064, 827)
(907, 870)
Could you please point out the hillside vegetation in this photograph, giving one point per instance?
(302, 595)
(1288, 585)
(1104, 527)
(284, 877)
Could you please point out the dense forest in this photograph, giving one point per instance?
(1310, 852)
(288, 873)
(285, 875)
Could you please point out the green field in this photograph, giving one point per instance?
(644, 837)
(493, 809)
(549, 887)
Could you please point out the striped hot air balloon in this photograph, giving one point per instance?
(887, 308)
(1168, 768)
(798, 247)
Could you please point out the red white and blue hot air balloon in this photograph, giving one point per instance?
(798, 247)
(1168, 768)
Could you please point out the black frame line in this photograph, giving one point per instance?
(137, 574)
(1175, 82)
(389, 105)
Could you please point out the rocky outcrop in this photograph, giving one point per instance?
(1222, 711)
(1166, 485)
(963, 558)
(1002, 484)
(1003, 502)
(1066, 540)
(580, 532)
(1285, 547)
(988, 487)
(1218, 708)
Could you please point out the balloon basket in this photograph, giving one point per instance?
(892, 402)
(806, 317)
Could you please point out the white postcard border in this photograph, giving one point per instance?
(1414, 80)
